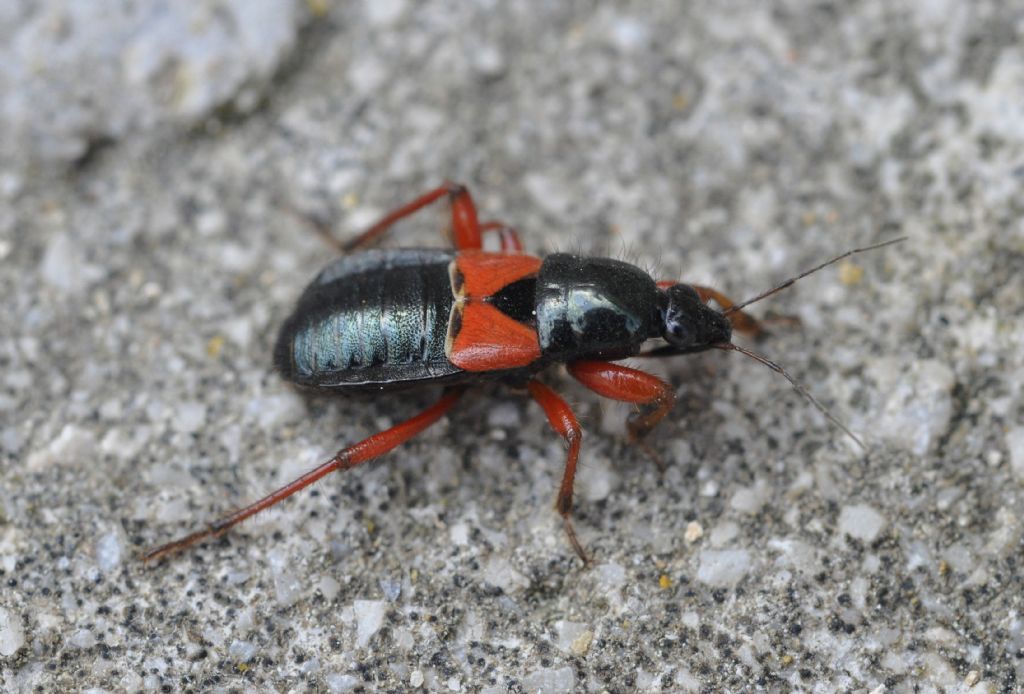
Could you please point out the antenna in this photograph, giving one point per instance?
(791, 280)
(729, 347)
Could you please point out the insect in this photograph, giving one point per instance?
(387, 319)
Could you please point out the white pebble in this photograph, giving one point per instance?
(919, 405)
(109, 550)
(1015, 444)
(500, 574)
(83, 638)
(489, 61)
(274, 411)
(629, 34)
(189, 417)
(64, 267)
(723, 534)
(610, 576)
(504, 414)
(329, 588)
(73, 443)
(567, 633)
(12, 636)
(241, 651)
(246, 620)
(550, 680)
(384, 12)
(287, 588)
(391, 588)
(459, 534)
(861, 522)
(750, 500)
(369, 619)
(723, 567)
(338, 683)
(416, 679)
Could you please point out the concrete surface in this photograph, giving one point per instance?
(151, 160)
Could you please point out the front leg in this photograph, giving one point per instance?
(618, 382)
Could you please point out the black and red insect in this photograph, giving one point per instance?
(387, 319)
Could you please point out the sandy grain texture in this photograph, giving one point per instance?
(150, 166)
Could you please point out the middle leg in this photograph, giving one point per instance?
(564, 422)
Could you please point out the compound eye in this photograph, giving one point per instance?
(679, 334)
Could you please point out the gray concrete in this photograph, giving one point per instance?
(148, 169)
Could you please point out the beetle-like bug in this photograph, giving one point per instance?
(383, 320)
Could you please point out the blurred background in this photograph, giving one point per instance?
(156, 159)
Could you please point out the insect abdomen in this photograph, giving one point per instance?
(378, 319)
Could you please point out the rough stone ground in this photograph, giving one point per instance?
(151, 156)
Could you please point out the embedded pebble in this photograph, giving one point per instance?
(64, 267)
(12, 635)
(369, 616)
(861, 522)
(500, 574)
(686, 681)
(458, 533)
(629, 34)
(384, 12)
(750, 500)
(273, 411)
(1015, 445)
(83, 638)
(287, 587)
(569, 633)
(723, 567)
(1005, 538)
(391, 588)
(919, 405)
(723, 534)
(550, 680)
(109, 550)
(329, 587)
(73, 443)
(504, 413)
(242, 651)
(189, 417)
(611, 576)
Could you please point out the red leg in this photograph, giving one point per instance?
(563, 421)
(622, 383)
(365, 450)
(465, 226)
(508, 236)
(742, 322)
